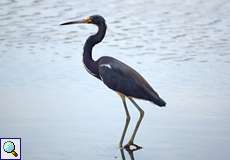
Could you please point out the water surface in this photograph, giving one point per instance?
(61, 112)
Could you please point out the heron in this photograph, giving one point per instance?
(118, 76)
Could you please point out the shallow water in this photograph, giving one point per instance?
(61, 112)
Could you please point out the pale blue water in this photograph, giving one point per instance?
(61, 112)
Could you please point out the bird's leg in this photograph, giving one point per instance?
(126, 122)
(136, 128)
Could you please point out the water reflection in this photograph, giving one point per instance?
(130, 153)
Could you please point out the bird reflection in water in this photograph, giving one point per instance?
(130, 153)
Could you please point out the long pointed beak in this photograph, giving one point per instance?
(74, 22)
(87, 20)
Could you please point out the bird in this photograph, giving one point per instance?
(117, 76)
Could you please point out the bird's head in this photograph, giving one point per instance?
(95, 19)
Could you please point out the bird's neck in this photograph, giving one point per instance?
(88, 61)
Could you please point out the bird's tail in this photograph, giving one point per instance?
(158, 101)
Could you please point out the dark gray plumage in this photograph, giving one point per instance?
(122, 78)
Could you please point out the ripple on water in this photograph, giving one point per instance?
(183, 46)
(161, 29)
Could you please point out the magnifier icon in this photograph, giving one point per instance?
(9, 147)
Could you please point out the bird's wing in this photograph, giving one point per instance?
(122, 78)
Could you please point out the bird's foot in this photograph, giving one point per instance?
(132, 147)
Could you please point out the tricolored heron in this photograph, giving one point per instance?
(117, 76)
